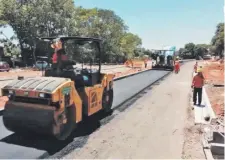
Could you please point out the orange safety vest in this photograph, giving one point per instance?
(55, 58)
(198, 81)
(177, 64)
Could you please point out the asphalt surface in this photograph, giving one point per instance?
(33, 147)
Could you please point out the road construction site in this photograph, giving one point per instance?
(148, 119)
(151, 115)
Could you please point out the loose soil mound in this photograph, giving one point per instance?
(214, 76)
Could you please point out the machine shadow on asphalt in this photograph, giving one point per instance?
(51, 145)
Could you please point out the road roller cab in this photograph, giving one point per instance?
(55, 103)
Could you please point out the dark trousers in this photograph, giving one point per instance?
(197, 91)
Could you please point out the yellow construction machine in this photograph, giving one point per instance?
(55, 103)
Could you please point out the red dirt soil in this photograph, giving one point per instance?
(214, 72)
(214, 75)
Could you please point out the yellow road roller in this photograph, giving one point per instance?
(55, 103)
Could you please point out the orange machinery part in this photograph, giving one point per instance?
(136, 63)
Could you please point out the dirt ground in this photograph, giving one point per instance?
(156, 126)
(192, 148)
(16, 73)
(214, 74)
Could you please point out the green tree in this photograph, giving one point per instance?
(104, 24)
(181, 52)
(200, 50)
(10, 49)
(129, 43)
(33, 18)
(148, 52)
(2, 22)
(218, 39)
(189, 47)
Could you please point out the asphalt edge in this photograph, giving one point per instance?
(139, 92)
(45, 155)
(122, 77)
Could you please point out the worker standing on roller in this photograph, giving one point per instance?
(61, 53)
(197, 84)
(57, 45)
(177, 65)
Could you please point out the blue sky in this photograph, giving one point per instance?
(164, 22)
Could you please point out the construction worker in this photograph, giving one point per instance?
(196, 67)
(197, 84)
(57, 45)
(177, 65)
(145, 61)
(60, 52)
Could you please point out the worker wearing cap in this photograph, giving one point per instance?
(197, 84)
(196, 67)
(177, 65)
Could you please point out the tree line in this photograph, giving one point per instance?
(31, 19)
(216, 47)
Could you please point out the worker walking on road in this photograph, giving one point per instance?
(177, 65)
(197, 84)
(196, 67)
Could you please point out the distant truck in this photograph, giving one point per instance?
(163, 61)
(207, 57)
